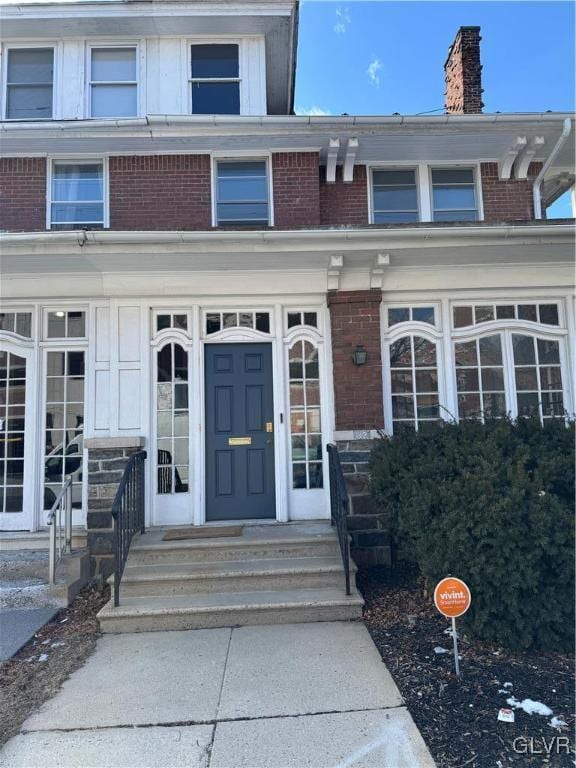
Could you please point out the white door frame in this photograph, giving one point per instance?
(27, 519)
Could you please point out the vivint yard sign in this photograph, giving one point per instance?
(452, 598)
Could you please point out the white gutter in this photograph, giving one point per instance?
(566, 130)
(382, 237)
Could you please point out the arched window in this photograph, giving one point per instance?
(305, 416)
(172, 419)
(413, 381)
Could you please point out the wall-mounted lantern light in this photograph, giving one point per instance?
(359, 355)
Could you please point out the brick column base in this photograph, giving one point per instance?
(107, 459)
(369, 529)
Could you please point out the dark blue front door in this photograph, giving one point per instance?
(239, 432)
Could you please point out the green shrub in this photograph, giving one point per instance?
(492, 504)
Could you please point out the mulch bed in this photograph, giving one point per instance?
(38, 670)
(458, 720)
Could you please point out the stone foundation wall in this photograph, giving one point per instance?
(369, 529)
(107, 459)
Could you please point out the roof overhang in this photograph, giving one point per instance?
(374, 249)
(275, 20)
(511, 140)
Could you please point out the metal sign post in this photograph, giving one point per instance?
(452, 598)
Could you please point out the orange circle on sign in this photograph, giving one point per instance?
(452, 597)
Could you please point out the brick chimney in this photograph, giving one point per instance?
(463, 73)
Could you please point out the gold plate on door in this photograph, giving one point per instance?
(269, 427)
(239, 441)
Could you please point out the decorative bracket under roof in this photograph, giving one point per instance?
(350, 159)
(377, 272)
(331, 160)
(524, 160)
(336, 264)
(507, 160)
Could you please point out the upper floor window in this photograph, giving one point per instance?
(29, 83)
(215, 79)
(454, 194)
(242, 193)
(395, 196)
(113, 82)
(77, 195)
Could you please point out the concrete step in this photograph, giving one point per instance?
(16, 540)
(231, 576)
(226, 609)
(143, 551)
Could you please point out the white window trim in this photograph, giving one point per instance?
(67, 340)
(187, 68)
(140, 48)
(446, 336)
(226, 157)
(55, 80)
(476, 170)
(505, 331)
(78, 161)
(394, 167)
(412, 329)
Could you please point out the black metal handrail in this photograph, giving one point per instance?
(339, 508)
(128, 514)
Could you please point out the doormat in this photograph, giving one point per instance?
(202, 532)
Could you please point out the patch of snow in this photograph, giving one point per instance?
(439, 649)
(558, 723)
(507, 685)
(43, 657)
(503, 690)
(57, 645)
(530, 706)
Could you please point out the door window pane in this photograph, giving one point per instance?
(172, 420)
(305, 421)
(29, 83)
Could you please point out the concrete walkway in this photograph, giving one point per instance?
(285, 696)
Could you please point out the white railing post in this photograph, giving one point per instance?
(52, 551)
(68, 521)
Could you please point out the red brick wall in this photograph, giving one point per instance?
(463, 73)
(509, 200)
(355, 319)
(22, 194)
(296, 191)
(344, 204)
(160, 192)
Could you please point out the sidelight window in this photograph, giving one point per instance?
(172, 420)
(12, 435)
(305, 422)
(64, 419)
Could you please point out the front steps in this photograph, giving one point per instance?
(272, 574)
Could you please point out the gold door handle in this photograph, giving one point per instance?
(269, 426)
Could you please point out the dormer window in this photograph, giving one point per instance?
(215, 79)
(29, 83)
(113, 82)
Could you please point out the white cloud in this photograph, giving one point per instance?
(313, 111)
(373, 68)
(343, 19)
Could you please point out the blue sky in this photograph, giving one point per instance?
(382, 57)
